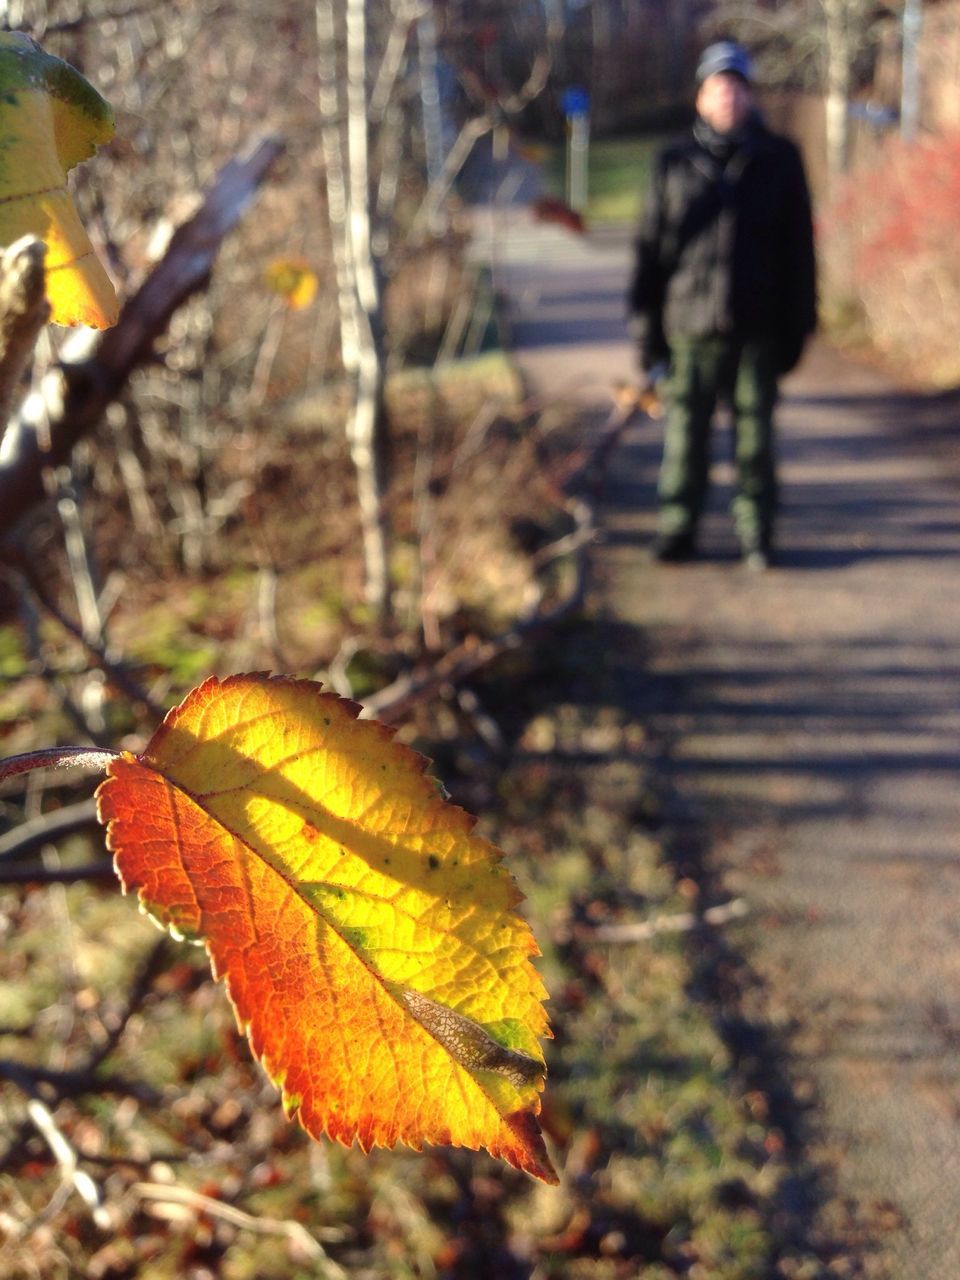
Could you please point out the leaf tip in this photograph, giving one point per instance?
(530, 1154)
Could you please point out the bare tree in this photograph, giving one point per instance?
(848, 29)
(378, 91)
(825, 45)
(345, 138)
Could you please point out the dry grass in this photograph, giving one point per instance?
(672, 1164)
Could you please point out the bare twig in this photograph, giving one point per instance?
(36, 873)
(470, 134)
(41, 664)
(164, 1193)
(267, 612)
(458, 664)
(72, 1177)
(115, 672)
(570, 544)
(391, 63)
(56, 758)
(588, 463)
(338, 673)
(70, 1174)
(682, 922)
(24, 311)
(75, 1083)
(47, 829)
(270, 344)
(148, 969)
(483, 723)
(493, 113)
(83, 578)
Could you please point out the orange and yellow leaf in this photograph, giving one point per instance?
(50, 120)
(368, 939)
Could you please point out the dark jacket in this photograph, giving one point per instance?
(726, 245)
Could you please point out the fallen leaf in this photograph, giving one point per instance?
(368, 939)
(50, 120)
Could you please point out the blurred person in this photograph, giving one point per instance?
(723, 300)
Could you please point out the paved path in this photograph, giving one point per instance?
(810, 719)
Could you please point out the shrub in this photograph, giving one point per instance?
(891, 259)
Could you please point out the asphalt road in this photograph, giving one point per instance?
(809, 721)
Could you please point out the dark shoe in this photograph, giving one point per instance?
(673, 548)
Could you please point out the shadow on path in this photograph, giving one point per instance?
(807, 723)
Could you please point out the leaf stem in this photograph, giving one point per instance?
(57, 758)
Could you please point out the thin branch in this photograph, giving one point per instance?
(470, 134)
(150, 967)
(682, 922)
(75, 1083)
(42, 664)
(57, 758)
(473, 654)
(456, 666)
(570, 544)
(588, 463)
(391, 64)
(164, 1193)
(70, 1174)
(338, 673)
(115, 672)
(484, 725)
(36, 873)
(47, 829)
(72, 1177)
(24, 311)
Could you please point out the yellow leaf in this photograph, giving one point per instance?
(50, 120)
(293, 281)
(368, 939)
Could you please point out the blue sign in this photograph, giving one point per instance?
(879, 117)
(575, 101)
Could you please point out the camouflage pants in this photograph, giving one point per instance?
(742, 373)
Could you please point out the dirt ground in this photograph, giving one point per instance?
(808, 728)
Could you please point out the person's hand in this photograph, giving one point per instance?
(650, 390)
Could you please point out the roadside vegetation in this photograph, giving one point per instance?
(891, 274)
(617, 178)
(672, 1156)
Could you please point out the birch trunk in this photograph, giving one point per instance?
(358, 287)
(849, 29)
(838, 86)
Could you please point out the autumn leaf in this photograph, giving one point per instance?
(368, 939)
(50, 120)
(293, 281)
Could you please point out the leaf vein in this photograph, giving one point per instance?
(32, 195)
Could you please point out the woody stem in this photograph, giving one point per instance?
(57, 758)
